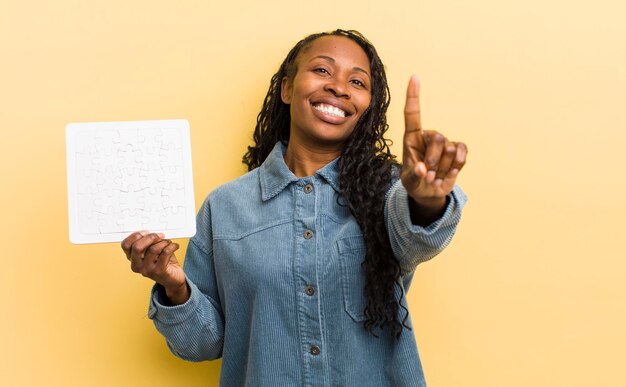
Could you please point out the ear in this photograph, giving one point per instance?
(285, 90)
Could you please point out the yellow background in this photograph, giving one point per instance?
(530, 293)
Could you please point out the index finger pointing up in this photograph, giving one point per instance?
(412, 116)
(414, 146)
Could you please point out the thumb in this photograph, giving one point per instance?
(413, 175)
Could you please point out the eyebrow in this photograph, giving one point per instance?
(332, 60)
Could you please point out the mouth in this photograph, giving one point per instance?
(330, 110)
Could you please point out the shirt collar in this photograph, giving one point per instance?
(275, 175)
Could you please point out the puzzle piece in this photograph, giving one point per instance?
(171, 152)
(149, 159)
(173, 197)
(174, 217)
(128, 157)
(129, 177)
(174, 176)
(132, 200)
(152, 180)
(152, 217)
(85, 143)
(104, 204)
(87, 182)
(88, 219)
(107, 223)
(129, 221)
(108, 180)
(125, 137)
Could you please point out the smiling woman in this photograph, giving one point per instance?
(298, 271)
(328, 94)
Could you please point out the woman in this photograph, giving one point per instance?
(297, 274)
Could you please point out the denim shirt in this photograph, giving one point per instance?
(277, 284)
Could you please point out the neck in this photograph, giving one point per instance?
(305, 159)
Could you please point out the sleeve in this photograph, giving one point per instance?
(413, 244)
(194, 330)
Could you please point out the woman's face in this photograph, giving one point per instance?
(329, 92)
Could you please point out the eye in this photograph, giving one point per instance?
(321, 70)
(358, 83)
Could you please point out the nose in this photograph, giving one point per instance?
(338, 87)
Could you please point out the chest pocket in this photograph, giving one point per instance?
(351, 256)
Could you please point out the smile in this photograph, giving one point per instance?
(329, 109)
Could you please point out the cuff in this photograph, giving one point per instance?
(157, 310)
(401, 214)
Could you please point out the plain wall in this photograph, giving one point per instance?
(530, 292)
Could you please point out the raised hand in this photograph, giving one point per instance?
(153, 257)
(430, 162)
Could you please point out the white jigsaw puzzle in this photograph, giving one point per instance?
(129, 176)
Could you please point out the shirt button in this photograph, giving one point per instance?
(310, 290)
(308, 188)
(315, 350)
(308, 234)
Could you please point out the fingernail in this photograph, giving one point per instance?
(454, 172)
(422, 168)
(144, 232)
(161, 235)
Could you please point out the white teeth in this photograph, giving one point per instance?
(329, 109)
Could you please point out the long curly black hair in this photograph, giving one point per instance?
(366, 166)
